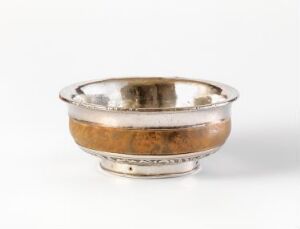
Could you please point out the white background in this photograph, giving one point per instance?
(47, 182)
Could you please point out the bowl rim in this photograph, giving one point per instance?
(66, 95)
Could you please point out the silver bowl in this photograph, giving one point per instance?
(149, 127)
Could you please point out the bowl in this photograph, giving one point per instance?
(151, 126)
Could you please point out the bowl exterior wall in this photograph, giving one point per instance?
(150, 133)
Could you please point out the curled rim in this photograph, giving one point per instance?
(68, 94)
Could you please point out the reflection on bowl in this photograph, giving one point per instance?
(149, 127)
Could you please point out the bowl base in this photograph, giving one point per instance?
(150, 166)
(150, 171)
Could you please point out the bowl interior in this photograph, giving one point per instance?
(150, 93)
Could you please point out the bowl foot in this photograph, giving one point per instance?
(150, 166)
(141, 170)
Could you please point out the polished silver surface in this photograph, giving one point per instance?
(151, 119)
(154, 171)
(136, 166)
(152, 103)
(149, 102)
(148, 94)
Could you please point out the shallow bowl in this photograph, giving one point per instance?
(152, 126)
